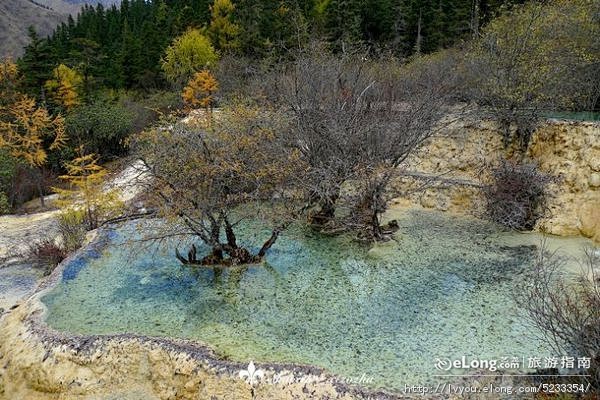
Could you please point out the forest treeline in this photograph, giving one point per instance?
(121, 46)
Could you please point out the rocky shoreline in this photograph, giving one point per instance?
(37, 362)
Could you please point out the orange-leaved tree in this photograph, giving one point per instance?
(200, 90)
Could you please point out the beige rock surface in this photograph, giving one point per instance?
(18, 231)
(39, 364)
(452, 167)
(589, 217)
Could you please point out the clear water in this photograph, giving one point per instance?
(443, 289)
(16, 282)
(574, 116)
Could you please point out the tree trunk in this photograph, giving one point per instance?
(236, 255)
(39, 179)
(230, 234)
(267, 245)
(524, 134)
(214, 258)
(419, 41)
(241, 255)
(475, 18)
(375, 226)
(506, 133)
(372, 204)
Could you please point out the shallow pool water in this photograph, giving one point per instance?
(443, 288)
(16, 282)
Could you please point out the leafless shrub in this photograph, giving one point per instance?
(239, 77)
(564, 309)
(356, 120)
(517, 194)
(46, 254)
(539, 56)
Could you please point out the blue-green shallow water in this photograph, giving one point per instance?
(444, 289)
(573, 116)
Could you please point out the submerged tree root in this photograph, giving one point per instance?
(364, 232)
(237, 256)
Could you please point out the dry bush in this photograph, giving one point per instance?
(566, 309)
(206, 179)
(46, 254)
(538, 56)
(517, 194)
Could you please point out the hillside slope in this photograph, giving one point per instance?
(17, 15)
(73, 6)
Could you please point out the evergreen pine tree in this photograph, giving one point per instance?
(35, 66)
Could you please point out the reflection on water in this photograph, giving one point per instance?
(443, 289)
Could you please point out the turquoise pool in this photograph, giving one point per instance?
(443, 288)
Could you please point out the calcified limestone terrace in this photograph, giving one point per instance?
(386, 313)
(43, 364)
(454, 164)
(84, 353)
(17, 278)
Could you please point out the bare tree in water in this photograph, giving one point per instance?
(206, 181)
(356, 121)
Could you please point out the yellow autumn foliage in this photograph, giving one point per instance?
(224, 33)
(189, 53)
(86, 200)
(238, 160)
(536, 47)
(64, 86)
(25, 127)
